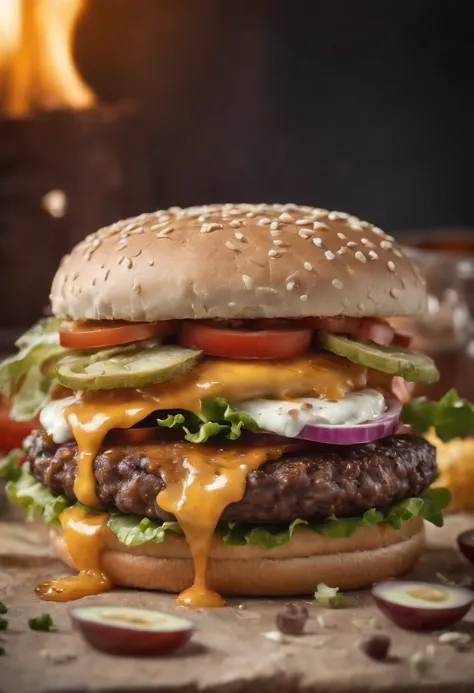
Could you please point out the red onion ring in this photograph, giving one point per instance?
(352, 434)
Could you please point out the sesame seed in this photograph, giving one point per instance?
(274, 225)
(106, 275)
(319, 226)
(329, 255)
(390, 238)
(391, 266)
(232, 246)
(360, 306)
(290, 286)
(94, 281)
(337, 284)
(395, 293)
(318, 242)
(273, 253)
(342, 251)
(377, 231)
(248, 281)
(364, 241)
(165, 232)
(285, 216)
(360, 256)
(397, 253)
(304, 297)
(319, 213)
(385, 245)
(122, 245)
(351, 244)
(151, 262)
(120, 260)
(275, 232)
(239, 236)
(202, 218)
(373, 255)
(137, 288)
(250, 215)
(342, 236)
(235, 224)
(231, 304)
(303, 222)
(337, 216)
(264, 221)
(205, 228)
(308, 266)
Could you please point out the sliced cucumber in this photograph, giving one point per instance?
(133, 368)
(395, 360)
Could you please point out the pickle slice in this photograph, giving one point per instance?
(395, 360)
(134, 368)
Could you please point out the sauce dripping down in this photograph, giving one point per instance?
(83, 534)
(201, 480)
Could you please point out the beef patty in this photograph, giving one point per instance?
(345, 480)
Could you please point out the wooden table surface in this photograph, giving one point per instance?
(230, 652)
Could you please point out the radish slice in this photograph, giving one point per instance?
(121, 630)
(422, 605)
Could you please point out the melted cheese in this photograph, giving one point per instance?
(201, 480)
(83, 534)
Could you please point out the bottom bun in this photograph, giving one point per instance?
(369, 555)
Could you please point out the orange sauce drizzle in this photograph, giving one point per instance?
(201, 480)
(83, 534)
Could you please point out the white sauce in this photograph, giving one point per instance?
(270, 414)
(53, 420)
(354, 408)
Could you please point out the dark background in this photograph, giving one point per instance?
(361, 106)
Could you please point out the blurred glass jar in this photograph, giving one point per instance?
(446, 330)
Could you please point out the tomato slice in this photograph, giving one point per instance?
(219, 340)
(402, 339)
(13, 433)
(100, 333)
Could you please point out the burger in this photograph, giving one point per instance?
(220, 396)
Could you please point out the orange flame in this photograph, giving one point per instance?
(37, 71)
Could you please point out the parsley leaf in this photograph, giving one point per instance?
(451, 417)
(43, 622)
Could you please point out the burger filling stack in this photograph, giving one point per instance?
(220, 397)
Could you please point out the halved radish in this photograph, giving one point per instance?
(466, 544)
(422, 605)
(121, 630)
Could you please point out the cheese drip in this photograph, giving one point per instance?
(94, 414)
(84, 535)
(201, 480)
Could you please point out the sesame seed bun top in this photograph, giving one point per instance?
(237, 261)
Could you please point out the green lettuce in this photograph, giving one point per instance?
(10, 469)
(132, 530)
(26, 377)
(216, 416)
(451, 417)
(38, 503)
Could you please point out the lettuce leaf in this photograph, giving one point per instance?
(451, 417)
(38, 503)
(10, 469)
(26, 377)
(132, 530)
(216, 416)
